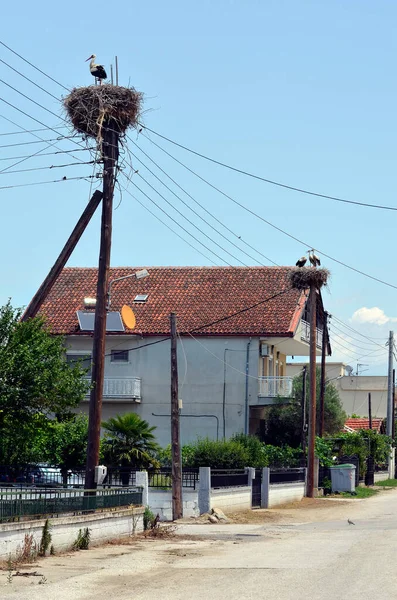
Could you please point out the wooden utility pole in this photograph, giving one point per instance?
(393, 433)
(312, 401)
(303, 407)
(177, 506)
(48, 283)
(322, 380)
(369, 411)
(110, 156)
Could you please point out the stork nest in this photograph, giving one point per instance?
(92, 108)
(303, 278)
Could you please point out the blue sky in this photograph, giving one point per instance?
(299, 92)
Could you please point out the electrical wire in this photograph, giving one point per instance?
(348, 341)
(44, 154)
(194, 212)
(168, 227)
(351, 337)
(176, 222)
(193, 225)
(9, 187)
(34, 66)
(30, 130)
(270, 181)
(39, 141)
(372, 277)
(49, 167)
(355, 330)
(30, 99)
(206, 210)
(30, 80)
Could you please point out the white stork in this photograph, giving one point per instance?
(98, 71)
(301, 262)
(314, 259)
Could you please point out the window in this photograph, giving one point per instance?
(141, 298)
(84, 360)
(120, 356)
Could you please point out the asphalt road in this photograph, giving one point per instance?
(324, 558)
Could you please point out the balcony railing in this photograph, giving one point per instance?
(124, 388)
(271, 387)
(305, 334)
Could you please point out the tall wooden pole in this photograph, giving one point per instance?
(48, 283)
(322, 380)
(312, 400)
(303, 407)
(369, 411)
(393, 432)
(110, 156)
(177, 506)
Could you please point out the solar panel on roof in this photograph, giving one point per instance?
(87, 319)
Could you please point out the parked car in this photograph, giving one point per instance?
(39, 476)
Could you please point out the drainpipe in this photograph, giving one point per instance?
(247, 367)
(224, 394)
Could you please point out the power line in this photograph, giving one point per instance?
(30, 80)
(372, 277)
(205, 209)
(168, 227)
(39, 141)
(49, 167)
(176, 222)
(26, 156)
(9, 187)
(272, 182)
(31, 100)
(34, 66)
(351, 337)
(30, 130)
(354, 330)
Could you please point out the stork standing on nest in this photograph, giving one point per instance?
(314, 259)
(98, 71)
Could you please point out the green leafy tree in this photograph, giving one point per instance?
(64, 444)
(283, 423)
(35, 382)
(222, 454)
(129, 442)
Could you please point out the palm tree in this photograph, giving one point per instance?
(129, 443)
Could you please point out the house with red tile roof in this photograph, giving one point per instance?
(355, 424)
(236, 327)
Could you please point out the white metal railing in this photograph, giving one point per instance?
(121, 387)
(305, 334)
(271, 387)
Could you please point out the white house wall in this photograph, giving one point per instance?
(200, 382)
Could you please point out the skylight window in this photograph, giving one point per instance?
(141, 298)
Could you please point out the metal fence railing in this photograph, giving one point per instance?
(287, 475)
(52, 477)
(222, 478)
(162, 479)
(36, 503)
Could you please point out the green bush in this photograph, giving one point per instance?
(256, 449)
(282, 457)
(222, 454)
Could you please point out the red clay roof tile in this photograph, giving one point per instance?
(198, 295)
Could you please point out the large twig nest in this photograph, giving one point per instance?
(303, 278)
(92, 108)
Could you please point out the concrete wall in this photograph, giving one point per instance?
(283, 493)
(160, 501)
(64, 530)
(381, 476)
(202, 390)
(231, 499)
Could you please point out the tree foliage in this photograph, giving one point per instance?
(129, 441)
(284, 421)
(35, 383)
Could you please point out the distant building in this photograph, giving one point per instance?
(353, 390)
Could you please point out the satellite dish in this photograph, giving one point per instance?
(128, 317)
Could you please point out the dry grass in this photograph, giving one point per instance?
(302, 278)
(92, 108)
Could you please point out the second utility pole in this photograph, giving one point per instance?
(390, 408)
(110, 156)
(312, 396)
(176, 457)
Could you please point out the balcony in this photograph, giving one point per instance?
(272, 387)
(305, 334)
(122, 388)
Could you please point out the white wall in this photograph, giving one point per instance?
(381, 476)
(283, 493)
(238, 498)
(160, 501)
(64, 530)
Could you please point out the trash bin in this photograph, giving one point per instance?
(343, 478)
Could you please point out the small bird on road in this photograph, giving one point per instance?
(350, 522)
